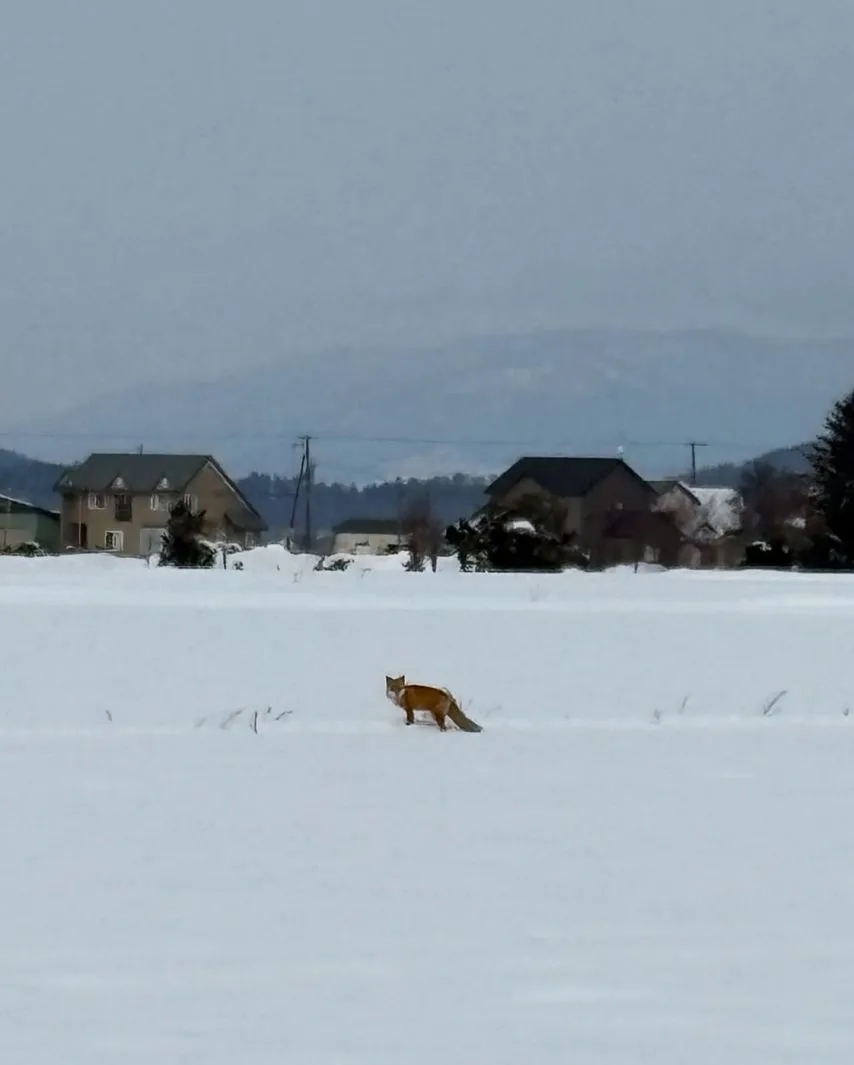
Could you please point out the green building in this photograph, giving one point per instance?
(23, 523)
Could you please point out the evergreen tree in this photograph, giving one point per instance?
(833, 471)
(527, 536)
(182, 540)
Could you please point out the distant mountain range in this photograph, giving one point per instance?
(451, 497)
(476, 405)
(728, 474)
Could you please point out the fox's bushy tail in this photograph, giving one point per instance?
(456, 714)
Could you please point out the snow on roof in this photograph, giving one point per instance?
(721, 506)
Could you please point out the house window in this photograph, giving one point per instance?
(159, 502)
(97, 501)
(124, 508)
(114, 540)
(192, 502)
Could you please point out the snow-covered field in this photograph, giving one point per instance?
(646, 857)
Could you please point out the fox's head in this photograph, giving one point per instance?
(394, 686)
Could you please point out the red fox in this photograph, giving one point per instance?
(438, 701)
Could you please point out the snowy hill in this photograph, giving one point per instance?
(475, 405)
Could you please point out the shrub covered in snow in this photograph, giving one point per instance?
(531, 536)
(334, 564)
(29, 549)
(771, 554)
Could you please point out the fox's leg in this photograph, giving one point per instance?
(410, 715)
(439, 716)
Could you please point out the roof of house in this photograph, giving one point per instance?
(246, 519)
(566, 477)
(722, 508)
(663, 487)
(141, 473)
(367, 526)
(15, 505)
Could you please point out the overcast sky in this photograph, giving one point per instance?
(188, 183)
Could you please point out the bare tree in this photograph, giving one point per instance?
(422, 533)
(772, 500)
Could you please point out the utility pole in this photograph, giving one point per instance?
(296, 496)
(305, 478)
(309, 477)
(694, 444)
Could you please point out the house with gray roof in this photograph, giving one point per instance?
(587, 486)
(121, 502)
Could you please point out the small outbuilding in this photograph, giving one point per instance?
(22, 522)
(366, 536)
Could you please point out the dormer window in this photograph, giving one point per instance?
(119, 484)
(163, 485)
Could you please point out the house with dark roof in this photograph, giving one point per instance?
(595, 492)
(590, 488)
(366, 536)
(121, 502)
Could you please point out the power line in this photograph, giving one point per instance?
(531, 442)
